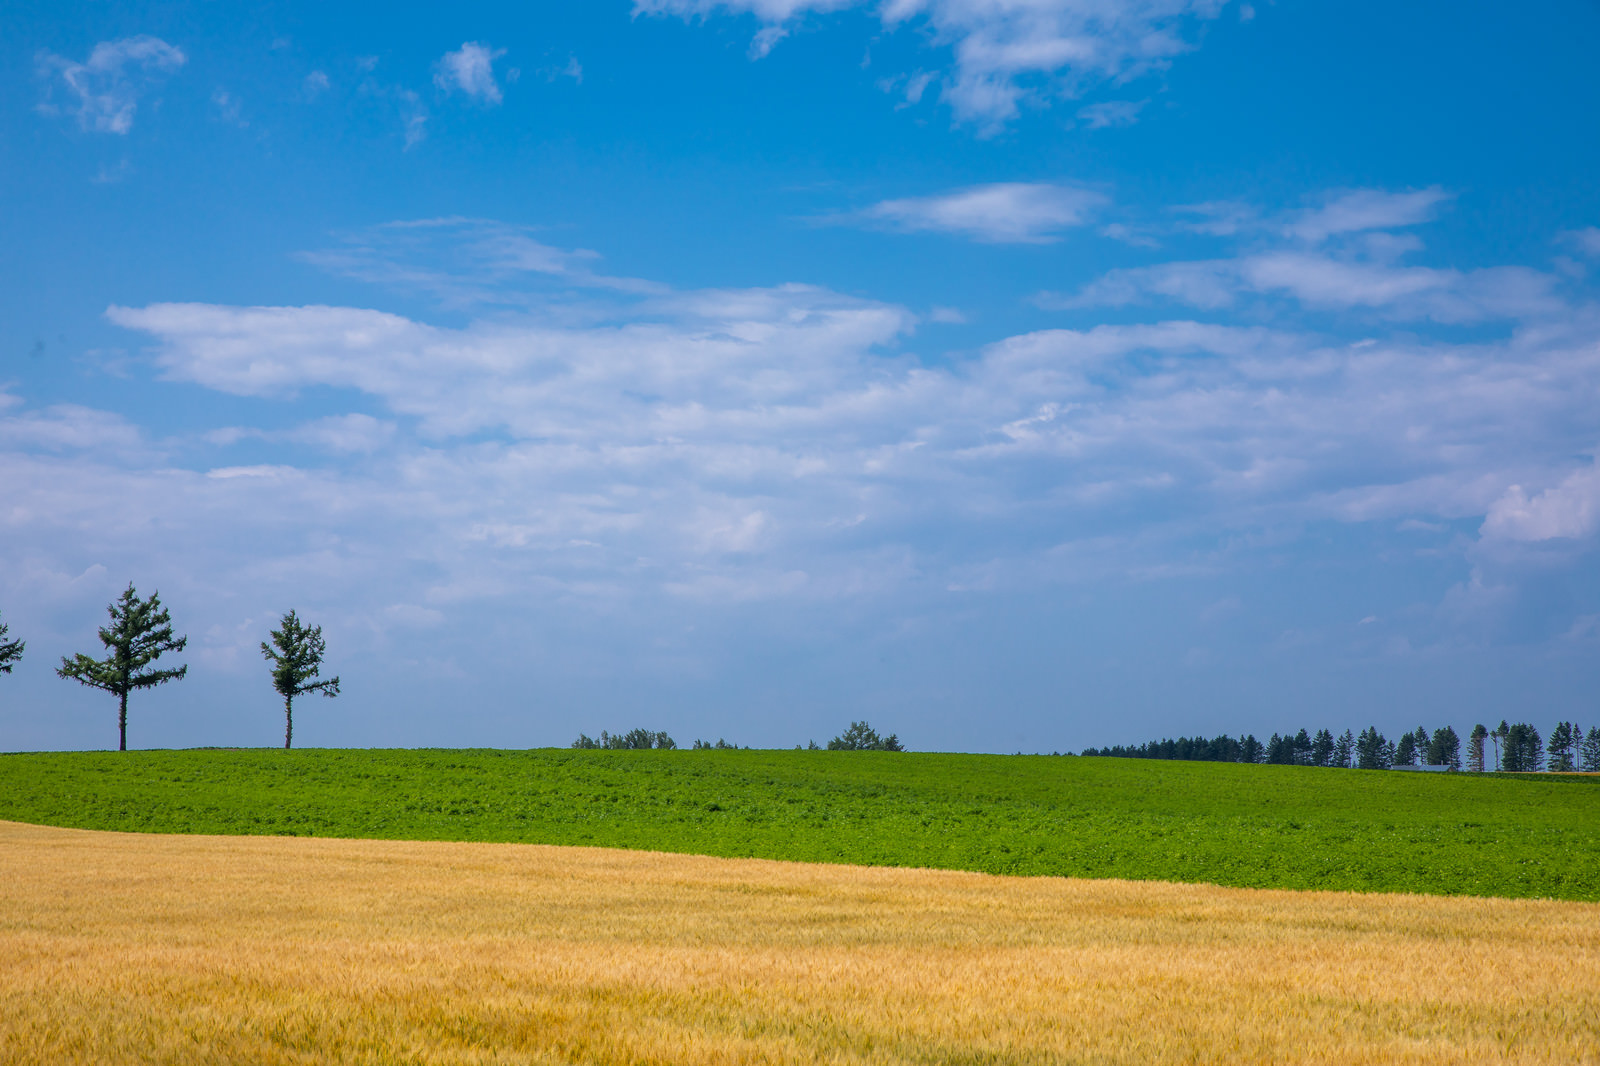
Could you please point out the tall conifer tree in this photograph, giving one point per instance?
(10, 650)
(139, 634)
(296, 656)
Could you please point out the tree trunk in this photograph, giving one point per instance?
(288, 721)
(122, 723)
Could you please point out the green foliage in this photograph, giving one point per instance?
(1443, 749)
(1476, 755)
(862, 737)
(1373, 752)
(632, 740)
(1344, 749)
(10, 650)
(296, 656)
(1590, 753)
(139, 634)
(1224, 823)
(1563, 747)
(1524, 749)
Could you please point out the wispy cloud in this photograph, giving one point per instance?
(1336, 256)
(1003, 213)
(470, 70)
(467, 261)
(104, 90)
(1111, 113)
(1002, 51)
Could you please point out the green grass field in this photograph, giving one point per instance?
(1254, 826)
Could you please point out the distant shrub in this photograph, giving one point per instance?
(633, 739)
(862, 737)
(720, 745)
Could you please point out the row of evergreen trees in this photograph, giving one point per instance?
(1516, 748)
(141, 632)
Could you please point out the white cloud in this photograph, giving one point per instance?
(465, 261)
(1111, 113)
(1586, 240)
(1302, 261)
(229, 108)
(1004, 213)
(1569, 510)
(470, 69)
(105, 88)
(315, 84)
(68, 427)
(1005, 53)
(1365, 209)
(1325, 282)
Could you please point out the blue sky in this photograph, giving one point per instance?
(1016, 375)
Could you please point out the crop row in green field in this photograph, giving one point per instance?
(1229, 824)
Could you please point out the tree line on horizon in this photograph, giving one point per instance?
(859, 737)
(1517, 748)
(141, 632)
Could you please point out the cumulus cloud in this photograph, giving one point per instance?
(1003, 213)
(1004, 54)
(103, 91)
(470, 70)
(1569, 510)
(656, 457)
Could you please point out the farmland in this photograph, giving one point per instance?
(185, 949)
(1222, 824)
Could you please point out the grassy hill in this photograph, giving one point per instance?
(1254, 826)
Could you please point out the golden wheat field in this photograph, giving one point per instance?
(162, 949)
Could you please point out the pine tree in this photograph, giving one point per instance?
(1524, 749)
(10, 650)
(1344, 749)
(1591, 751)
(139, 634)
(1405, 753)
(862, 737)
(1373, 752)
(296, 657)
(1322, 748)
(1475, 752)
(1497, 736)
(1563, 745)
(1444, 748)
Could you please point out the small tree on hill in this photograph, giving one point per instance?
(1590, 752)
(1373, 752)
(139, 634)
(1475, 752)
(1322, 748)
(1563, 748)
(1344, 749)
(1496, 736)
(633, 739)
(862, 737)
(10, 650)
(296, 656)
(1405, 752)
(1524, 749)
(1444, 748)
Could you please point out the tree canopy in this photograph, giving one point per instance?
(10, 650)
(296, 656)
(140, 633)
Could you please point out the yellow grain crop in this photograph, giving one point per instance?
(160, 949)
